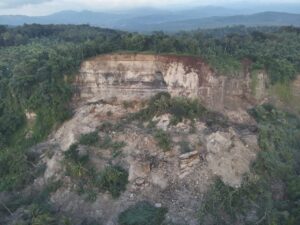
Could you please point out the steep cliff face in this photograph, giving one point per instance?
(199, 151)
(136, 76)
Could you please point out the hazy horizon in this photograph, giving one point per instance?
(46, 7)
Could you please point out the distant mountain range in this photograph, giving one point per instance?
(148, 19)
(258, 19)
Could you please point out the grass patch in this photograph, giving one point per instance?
(108, 143)
(143, 213)
(80, 171)
(88, 181)
(89, 138)
(185, 147)
(128, 104)
(93, 139)
(113, 179)
(163, 140)
(283, 91)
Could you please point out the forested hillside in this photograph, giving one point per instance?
(38, 63)
(36, 60)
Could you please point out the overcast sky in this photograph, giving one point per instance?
(43, 7)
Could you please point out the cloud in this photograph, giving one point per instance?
(45, 7)
(18, 3)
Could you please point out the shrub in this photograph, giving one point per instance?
(113, 179)
(143, 213)
(182, 108)
(85, 177)
(72, 154)
(158, 104)
(108, 143)
(14, 170)
(109, 113)
(163, 140)
(42, 217)
(80, 171)
(91, 194)
(105, 142)
(127, 104)
(89, 138)
(216, 120)
(117, 145)
(178, 107)
(185, 147)
(106, 126)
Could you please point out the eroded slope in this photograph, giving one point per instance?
(202, 145)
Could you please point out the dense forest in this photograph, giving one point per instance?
(37, 64)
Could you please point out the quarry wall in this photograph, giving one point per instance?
(139, 76)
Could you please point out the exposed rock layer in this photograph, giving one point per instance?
(136, 76)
